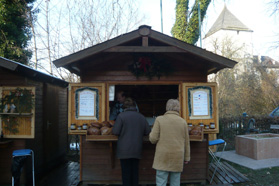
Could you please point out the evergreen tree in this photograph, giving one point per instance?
(186, 26)
(14, 30)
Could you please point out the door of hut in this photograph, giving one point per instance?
(50, 123)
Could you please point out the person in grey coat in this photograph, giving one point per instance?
(130, 127)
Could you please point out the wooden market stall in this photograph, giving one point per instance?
(151, 68)
(40, 125)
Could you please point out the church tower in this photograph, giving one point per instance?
(229, 37)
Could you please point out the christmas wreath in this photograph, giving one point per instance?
(149, 66)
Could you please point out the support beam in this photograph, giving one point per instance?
(152, 49)
(145, 41)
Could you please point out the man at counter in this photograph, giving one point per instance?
(170, 134)
(118, 106)
(130, 127)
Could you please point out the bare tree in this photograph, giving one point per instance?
(248, 87)
(65, 27)
(273, 7)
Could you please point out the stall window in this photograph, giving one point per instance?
(150, 99)
(17, 111)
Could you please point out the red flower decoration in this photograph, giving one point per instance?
(144, 62)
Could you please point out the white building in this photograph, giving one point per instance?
(229, 37)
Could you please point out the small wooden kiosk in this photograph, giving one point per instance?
(42, 128)
(151, 68)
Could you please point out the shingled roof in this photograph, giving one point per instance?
(227, 21)
(144, 40)
(27, 71)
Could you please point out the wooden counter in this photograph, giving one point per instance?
(99, 164)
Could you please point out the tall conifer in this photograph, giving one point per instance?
(15, 30)
(186, 26)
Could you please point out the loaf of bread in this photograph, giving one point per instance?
(106, 131)
(106, 124)
(97, 125)
(196, 130)
(93, 131)
(111, 122)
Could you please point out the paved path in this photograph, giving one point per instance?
(68, 175)
(248, 162)
(65, 175)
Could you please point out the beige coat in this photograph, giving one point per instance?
(170, 134)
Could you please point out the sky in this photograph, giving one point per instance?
(255, 14)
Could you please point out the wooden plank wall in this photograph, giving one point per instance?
(49, 154)
(57, 154)
(99, 165)
(118, 71)
(60, 129)
(63, 121)
(37, 143)
(8, 78)
(6, 161)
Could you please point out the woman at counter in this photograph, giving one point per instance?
(170, 134)
(130, 127)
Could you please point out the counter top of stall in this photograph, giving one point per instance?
(103, 131)
(115, 138)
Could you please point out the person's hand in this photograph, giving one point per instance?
(186, 162)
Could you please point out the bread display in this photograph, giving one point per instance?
(106, 124)
(196, 130)
(111, 122)
(93, 131)
(106, 131)
(103, 128)
(97, 125)
(195, 133)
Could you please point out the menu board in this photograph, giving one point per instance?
(87, 103)
(200, 103)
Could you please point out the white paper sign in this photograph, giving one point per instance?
(200, 103)
(87, 103)
(111, 92)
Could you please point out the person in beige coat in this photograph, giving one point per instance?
(170, 134)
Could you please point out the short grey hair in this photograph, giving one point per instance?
(173, 105)
(129, 102)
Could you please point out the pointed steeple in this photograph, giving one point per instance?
(227, 21)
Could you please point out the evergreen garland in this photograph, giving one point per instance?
(10, 123)
(19, 101)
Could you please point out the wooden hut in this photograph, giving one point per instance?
(151, 68)
(42, 129)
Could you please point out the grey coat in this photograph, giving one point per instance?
(130, 127)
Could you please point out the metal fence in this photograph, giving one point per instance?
(230, 127)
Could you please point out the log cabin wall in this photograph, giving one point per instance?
(100, 165)
(8, 78)
(48, 154)
(117, 70)
(55, 126)
(6, 161)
